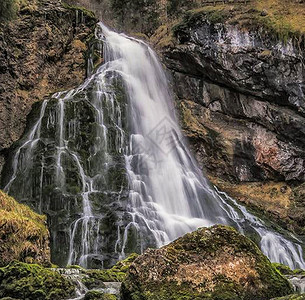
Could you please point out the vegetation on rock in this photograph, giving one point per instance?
(116, 274)
(23, 233)
(96, 295)
(30, 281)
(8, 9)
(210, 263)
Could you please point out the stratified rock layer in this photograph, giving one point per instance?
(210, 263)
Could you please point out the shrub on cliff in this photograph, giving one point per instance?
(23, 233)
(211, 263)
(8, 9)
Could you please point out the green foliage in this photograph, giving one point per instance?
(8, 10)
(33, 282)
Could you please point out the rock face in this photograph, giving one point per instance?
(42, 51)
(211, 263)
(23, 233)
(250, 90)
(240, 94)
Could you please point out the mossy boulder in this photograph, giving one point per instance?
(23, 233)
(210, 263)
(33, 282)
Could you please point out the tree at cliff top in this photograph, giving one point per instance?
(23, 233)
(210, 263)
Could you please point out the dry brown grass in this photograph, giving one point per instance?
(23, 233)
(274, 197)
(284, 13)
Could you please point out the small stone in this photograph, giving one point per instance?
(264, 13)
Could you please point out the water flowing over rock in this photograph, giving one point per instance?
(240, 93)
(108, 165)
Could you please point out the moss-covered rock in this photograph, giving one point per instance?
(30, 281)
(210, 263)
(96, 295)
(23, 233)
(117, 273)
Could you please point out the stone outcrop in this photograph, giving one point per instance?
(23, 234)
(240, 94)
(211, 263)
(42, 51)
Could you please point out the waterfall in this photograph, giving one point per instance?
(108, 164)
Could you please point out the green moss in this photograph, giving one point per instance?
(8, 10)
(156, 276)
(83, 10)
(116, 274)
(23, 233)
(211, 14)
(31, 281)
(291, 297)
(284, 270)
(96, 295)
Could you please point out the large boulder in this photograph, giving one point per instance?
(210, 263)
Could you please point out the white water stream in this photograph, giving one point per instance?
(168, 195)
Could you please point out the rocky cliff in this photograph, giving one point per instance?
(240, 91)
(238, 75)
(42, 51)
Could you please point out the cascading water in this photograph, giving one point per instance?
(109, 159)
